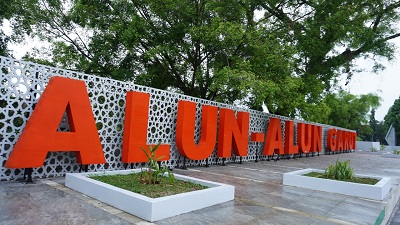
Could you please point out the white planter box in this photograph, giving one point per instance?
(377, 191)
(151, 209)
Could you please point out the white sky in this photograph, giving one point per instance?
(385, 83)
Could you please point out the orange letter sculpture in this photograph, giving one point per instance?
(346, 140)
(40, 134)
(304, 137)
(352, 140)
(316, 144)
(257, 137)
(230, 128)
(339, 140)
(135, 130)
(185, 127)
(274, 138)
(290, 148)
(332, 138)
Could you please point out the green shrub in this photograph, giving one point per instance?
(396, 152)
(373, 149)
(339, 171)
(154, 169)
(343, 172)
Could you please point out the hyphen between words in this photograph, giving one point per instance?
(61, 95)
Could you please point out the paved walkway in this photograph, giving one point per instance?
(260, 197)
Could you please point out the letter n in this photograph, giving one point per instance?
(316, 144)
(40, 134)
(232, 131)
(304, 137)
(135, 130)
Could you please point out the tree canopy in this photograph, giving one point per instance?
(6, 12)
(349, 111)
(378, 129)
(287, 54)
(393, 117)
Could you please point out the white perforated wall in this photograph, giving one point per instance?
(23, 82)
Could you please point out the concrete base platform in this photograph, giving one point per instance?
(377, 191)
(151, 209)
(260, 197)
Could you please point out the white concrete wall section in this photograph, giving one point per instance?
(22, 84)
(151, 209)
(367, 145)
(377, 191)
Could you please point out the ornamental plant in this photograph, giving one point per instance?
(154, 168)
(339, 171)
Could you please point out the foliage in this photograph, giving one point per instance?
(288, 54)
(198, 48)
(396, 151)
(339, 171)
(380, 133)
(348, 110)
(131, 182)
(154, 174)
(154, 169)
(3, 44)
(377, 129)
(373, 149)
(6, 12)
(343, 172)
(392, 117)
(373, 123)
(364, 131)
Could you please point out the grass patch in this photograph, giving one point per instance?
(132, 182)
(359, 180)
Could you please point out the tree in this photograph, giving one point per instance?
(199, 48)
(350, 111)
(378, 131)
(393, 118)
(6, 12)
(3, 44)
(364, 132)
(329, 35)
(289, 58)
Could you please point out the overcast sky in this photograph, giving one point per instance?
(385, 83)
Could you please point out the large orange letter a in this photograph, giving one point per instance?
(40, 134)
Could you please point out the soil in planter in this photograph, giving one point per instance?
(131, 182)
(359, 180)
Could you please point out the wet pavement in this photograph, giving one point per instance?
(260, 197)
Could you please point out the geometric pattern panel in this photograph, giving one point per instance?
(22, 84)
